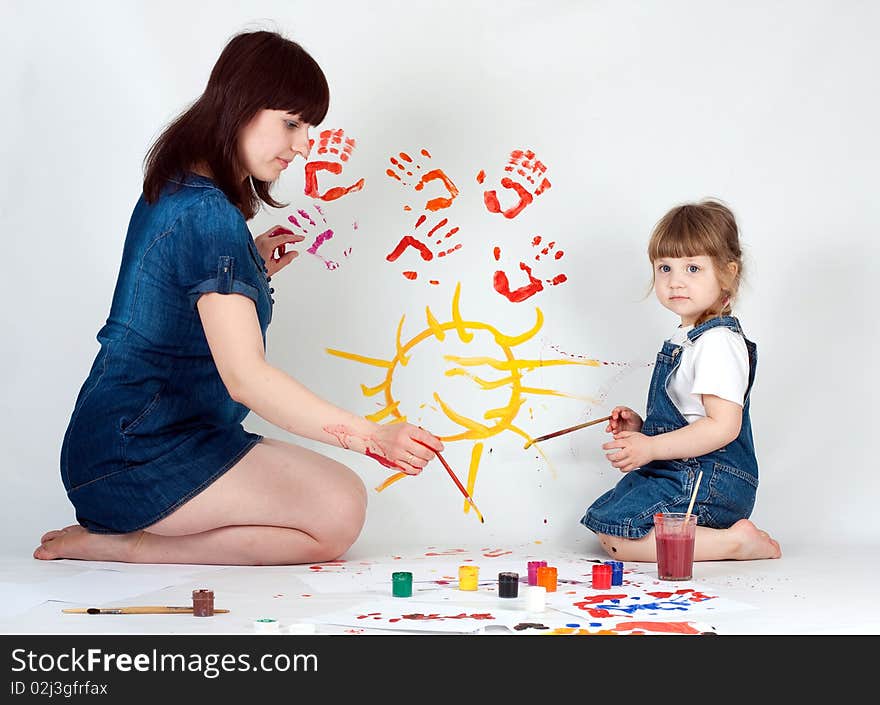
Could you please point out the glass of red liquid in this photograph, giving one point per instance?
(675, 545)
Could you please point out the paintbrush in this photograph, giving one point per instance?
(143, 609)
(457, 482)
(566, 430)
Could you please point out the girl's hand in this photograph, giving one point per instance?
(271, 246)
(630, 450)
(403, 446)
(623, 419)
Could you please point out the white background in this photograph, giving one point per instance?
(634, 107)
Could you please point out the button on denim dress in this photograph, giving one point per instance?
(153, 424)
(730, 474)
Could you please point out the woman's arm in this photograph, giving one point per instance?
(233, 333)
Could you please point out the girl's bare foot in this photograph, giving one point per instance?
(75, 542)
(752, 542)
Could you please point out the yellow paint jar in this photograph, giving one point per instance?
(468, 576)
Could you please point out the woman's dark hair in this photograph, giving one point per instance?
(255, 71)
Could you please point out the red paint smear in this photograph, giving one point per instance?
(537, 241)
(558, 254)
(496, 251)
(666, 627)
(410, 241)
(558, 279)
(426, 153)
(481, 176)
(435, 282)
(405, 157)
(502, 285)
(412, 276)
(490, 198)
(418, 616)
(496, 553)
(382, 461)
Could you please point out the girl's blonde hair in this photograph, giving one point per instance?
(709, 229)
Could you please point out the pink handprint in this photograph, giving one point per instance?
(426, 251)
(502, 284)
(338, 149)
(406, 171)
(525, 168)
(309, 228)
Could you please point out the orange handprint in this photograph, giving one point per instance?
(405, 172)
(338, 149)
(502, 284)
(426, 252)
(524, 167)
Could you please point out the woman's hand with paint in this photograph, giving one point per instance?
(272, 244)
(623, 419)
(403, 446)
(629, 450)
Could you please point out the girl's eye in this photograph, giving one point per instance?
(693, 268)
(665, 268)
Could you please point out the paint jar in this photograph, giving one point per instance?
(508, 584)
(601, 577)
(468, 576)
(533, 571)
(203, 603)
(547, 577)
(401, 584)
(536, 598)
(674, 538)
(616, 572)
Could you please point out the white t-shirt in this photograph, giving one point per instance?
(715, 363)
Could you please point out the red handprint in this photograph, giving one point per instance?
(425, 251)
(502, 284)
(523, 164)
(406, 171)
(338, 149)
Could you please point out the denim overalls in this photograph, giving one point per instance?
(153, 424)
(730, 474)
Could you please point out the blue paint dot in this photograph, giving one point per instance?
(595, 624)
(572, 625)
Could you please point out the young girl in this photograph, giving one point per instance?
(155, 459)
(698, 405)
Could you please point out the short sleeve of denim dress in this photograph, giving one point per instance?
(153, 424)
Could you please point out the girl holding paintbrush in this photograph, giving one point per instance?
(698, 405)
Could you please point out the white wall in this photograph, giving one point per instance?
(633, 106)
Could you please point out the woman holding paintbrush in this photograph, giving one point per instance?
(698, 405)
(155, 459)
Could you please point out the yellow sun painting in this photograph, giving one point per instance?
(500, 372)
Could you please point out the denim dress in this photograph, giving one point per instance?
(153, 424)
(730, 474)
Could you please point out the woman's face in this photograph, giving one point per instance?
(270, 141)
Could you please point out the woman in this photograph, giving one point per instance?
(155, 459)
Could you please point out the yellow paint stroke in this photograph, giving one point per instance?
(500, 418)
(473, 469)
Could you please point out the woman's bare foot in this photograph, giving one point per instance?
(753, 543)
(76, 542)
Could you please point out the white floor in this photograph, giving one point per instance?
(810, 590)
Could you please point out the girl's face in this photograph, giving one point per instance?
(687, 286)
(270, 141)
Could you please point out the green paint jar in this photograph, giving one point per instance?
(401, 584)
